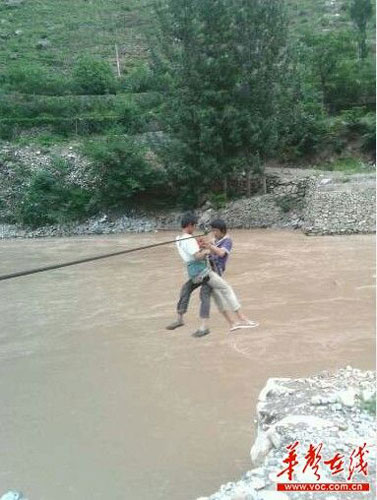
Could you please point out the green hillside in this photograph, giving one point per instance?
(56, 33)
(78, 71)
(79, 67)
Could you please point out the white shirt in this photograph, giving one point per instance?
(187, 248)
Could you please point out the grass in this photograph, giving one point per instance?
(321, 14)
(77, 27)
(348, 165)
(44, 139)
(73, 28)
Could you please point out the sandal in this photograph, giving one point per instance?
(248, 324)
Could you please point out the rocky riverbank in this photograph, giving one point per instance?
(335, 413)
(317, 202)
(318, 205)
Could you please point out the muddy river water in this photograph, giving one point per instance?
(99, 401)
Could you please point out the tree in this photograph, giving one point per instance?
(223, 59)
(327, 52)
(343, 79)
(361, 11)
(302, 122)
(263, 61)
(194, 54)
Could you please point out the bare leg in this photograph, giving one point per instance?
(226, 299)
(204, 324)
(222, 307)
(228, 318)
(240, 316)
(243, 321)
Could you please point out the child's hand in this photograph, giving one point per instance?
(202, 243)
(204, 251)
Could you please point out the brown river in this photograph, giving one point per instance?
(99, 401)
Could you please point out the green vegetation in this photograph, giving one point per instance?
(343, 80)
(361, 11)
(230, 86)
(57, 34)
(345, 164)
(370, 406)
(93, 76)
(226, 88)
(51, 194)
(47, 196)
(121, 171)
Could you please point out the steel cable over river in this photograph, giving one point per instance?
(87, 259)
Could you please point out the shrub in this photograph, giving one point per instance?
(358, 122)
(143, 79)
(7, 131)
(93, 76)
(47, 199)
(131, 118)
(138, 80)
(121, 171)
(353, 84)
(368, 122)
(218, 200)
(306, 130)
(33, 78)
(99, 114)
(351, 119)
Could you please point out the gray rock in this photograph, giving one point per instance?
(43, 44)
(273, 495)
(347, 398)
(295, 418)
(13, 495)
(342, 426)
(258, 484)
(13, 3)
(368, 395)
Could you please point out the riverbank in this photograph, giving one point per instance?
(313, 201)
(335, 413)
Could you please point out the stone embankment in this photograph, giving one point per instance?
(335, 413)
(314, 201)
(341, 205)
